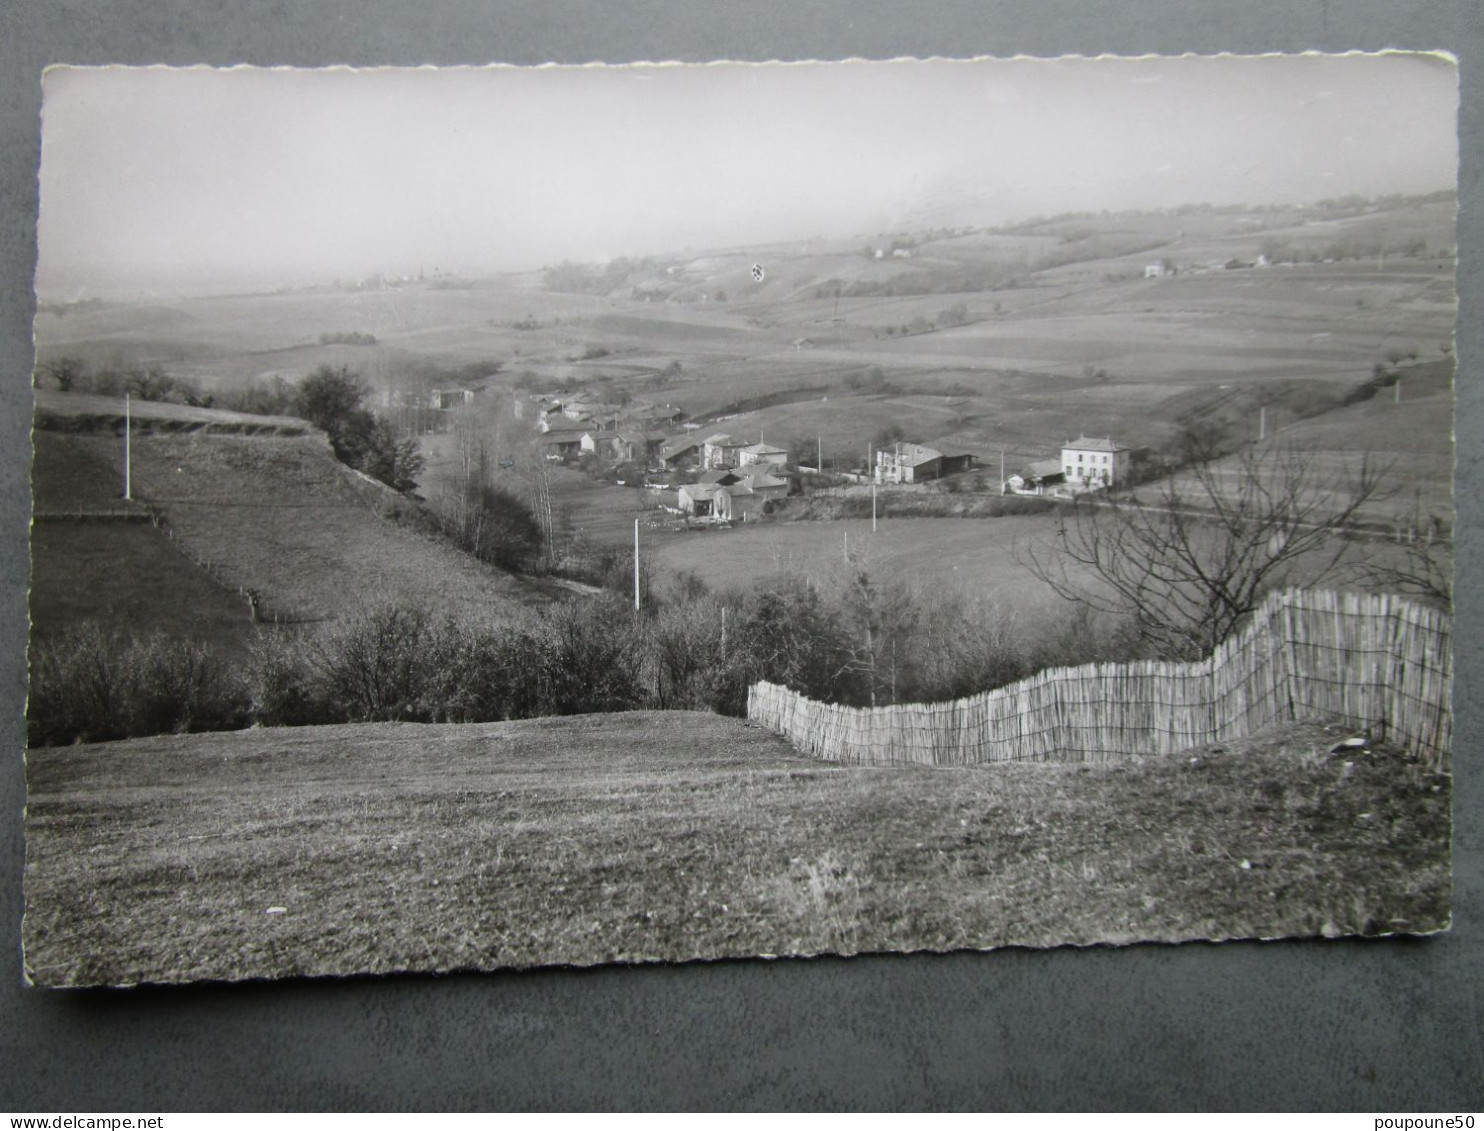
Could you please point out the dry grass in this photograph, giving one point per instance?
(88, 413)
(131, 577)
(641, 837)
(975, 555)
(279, 515)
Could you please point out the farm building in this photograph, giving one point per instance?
(586, 410)
(766, 485)
(917, 463)
(559, 425)
(720, 450)
(637, 446)
(719, 477)
(1090, 463)
(681, 451)
(736, 503)
(762, 453)
(565, 444)
(599, 442)
(1037, 478)
(449, 398)
(698, 500)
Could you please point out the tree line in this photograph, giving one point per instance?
(857, 640)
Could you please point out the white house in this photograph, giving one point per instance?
(762, 453)
(1090, 463)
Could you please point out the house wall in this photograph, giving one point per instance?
(1104, 468)
(746, 459)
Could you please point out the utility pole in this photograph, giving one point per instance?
(1398, 390)
(128, 454)
(873, 508)
(636, 565)
(1262, 423)
(1002, 471)
(819, 453)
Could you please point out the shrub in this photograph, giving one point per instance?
(370, 667)
(283, 689)
(92, 685)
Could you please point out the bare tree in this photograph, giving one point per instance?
(1420, 563)
(1198, 551)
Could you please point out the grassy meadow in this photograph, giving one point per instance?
(974, 555)
(280, 515)
(646, 837)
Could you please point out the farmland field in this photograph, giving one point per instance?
(644, 837)
(975, 556)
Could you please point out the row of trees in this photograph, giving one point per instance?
(145, 383)
(855, 639)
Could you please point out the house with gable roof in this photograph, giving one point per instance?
(1090, 463)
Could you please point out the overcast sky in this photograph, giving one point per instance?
(159, 179)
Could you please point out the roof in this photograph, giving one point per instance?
(1088, 444)
(913, 454)
(678, 445)
(765, 450)
(718, 439)
(701, 490)
(763, 481)
(719, 475)
(1043, 468)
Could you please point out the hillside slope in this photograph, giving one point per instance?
(269, 511)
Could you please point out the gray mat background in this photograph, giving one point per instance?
(1378, 1026)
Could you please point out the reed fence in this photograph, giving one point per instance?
(1374, 661)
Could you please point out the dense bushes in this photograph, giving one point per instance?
(331, 399)
(90, 685)
(858, 641)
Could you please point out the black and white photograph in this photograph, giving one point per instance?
(501, 517)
